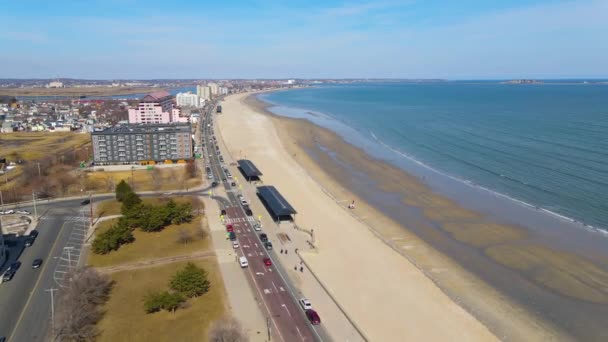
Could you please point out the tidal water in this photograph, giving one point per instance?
(544, 146)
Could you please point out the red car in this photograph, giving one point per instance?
(229, 228)
(313, 317)
(267, 262)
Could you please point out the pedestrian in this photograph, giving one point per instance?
(301, 269)
(295, 268)
(301, 262)
(281, 251)
(286, 251)
(296, 251)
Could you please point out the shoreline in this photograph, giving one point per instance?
(488, 245)
(399, 302)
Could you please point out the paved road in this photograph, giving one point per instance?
(287, 319)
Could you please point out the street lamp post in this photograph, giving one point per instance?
(35, 210)
(52, 292)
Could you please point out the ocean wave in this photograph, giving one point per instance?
(471, 183)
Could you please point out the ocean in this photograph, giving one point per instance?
(544, 146)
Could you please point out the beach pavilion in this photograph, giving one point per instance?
(275, 203)
(249, 170)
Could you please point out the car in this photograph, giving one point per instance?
(305, 304)
(244, 202)
(14, 266)
(229, 228)
(233, 183)
(214, 184)
(8, 275)
(209, 176)
(257, 227)
(232, 236)
(313, 317)
(267, 262)
(243, 261)
(235, 244)
(224, 180)
(28, 241)
(263, 237)
(85, 202)
(36, 263)
(268, 245)
(33, 233)
(248, 211)
(229, 175)
(223, 212)
(7, 212)
(23, 212)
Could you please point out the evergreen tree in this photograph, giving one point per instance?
(122, 189)
(191, 281)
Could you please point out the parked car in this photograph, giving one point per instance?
(33, 233)
(7, 212)
(229, 228)
(23, 212)
(233, 183)
(248, 211)
(267, 262)
(232, 236)
(243, 261)
(28, 241)
(313, 317)
(257, 227)
(85, 202)
(37, 263)
(305, 304)
(235, 244)
(263, 237)
(14, 266)
(223, 212)
(268, 245)
(8, 275)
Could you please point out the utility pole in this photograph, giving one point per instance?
(35, 211)
(38, 163)
(91, 209)
(52, 292)
(268, 327)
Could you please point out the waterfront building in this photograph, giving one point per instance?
(213, 87)
(156, 108)
(187, 100)
(143, 144)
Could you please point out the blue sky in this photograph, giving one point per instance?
(466, 39)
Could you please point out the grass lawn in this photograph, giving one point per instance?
(153, 245)
(158, 179)
(112, 207)
(126, 320)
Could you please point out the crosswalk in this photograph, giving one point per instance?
(239, 219)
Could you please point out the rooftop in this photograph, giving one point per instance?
(248, 168)
(275, 202)
(156, 96)
(146, 128)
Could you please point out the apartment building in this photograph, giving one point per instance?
(187, 100)
(204, 92)
(156, 108)
(143, 144)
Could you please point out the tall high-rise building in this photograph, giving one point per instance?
(203, 92)
(214, 88)
(187, 100)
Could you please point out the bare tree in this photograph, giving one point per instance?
(79, 305)
(184, 236)
(227, 330)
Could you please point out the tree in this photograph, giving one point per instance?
(129, 201)
(110, 240)
(156, 301)
(79, 305)
(191, 281)
(227, 329)
(181, 214)
(122, 189)
(184, 236)
(190, 170)
(156, 220)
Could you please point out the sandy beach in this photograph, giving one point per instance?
(386, 294)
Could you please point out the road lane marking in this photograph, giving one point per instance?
(27, 303)
(285, 306)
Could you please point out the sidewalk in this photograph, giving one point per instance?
(242, 301)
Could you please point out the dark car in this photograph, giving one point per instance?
(223, 212)
(14, 266)
(85, 202)
(33, 233)
(263, 237)
(268, 245)
(8, 275)
(233, 183)
(37, 263)
(28, 241)
(313, 317)
(214, 184)
(248, 211)
(232, 236)
(224, 180)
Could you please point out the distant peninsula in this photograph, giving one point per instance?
(523, 81)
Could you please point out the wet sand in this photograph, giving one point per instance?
(521, 288)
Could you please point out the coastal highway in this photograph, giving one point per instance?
(285, 317)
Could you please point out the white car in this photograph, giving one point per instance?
(235, 244)
(257, 227)
(305, 304)
(23, 212)
(7, 212)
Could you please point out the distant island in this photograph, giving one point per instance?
(523, 81)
